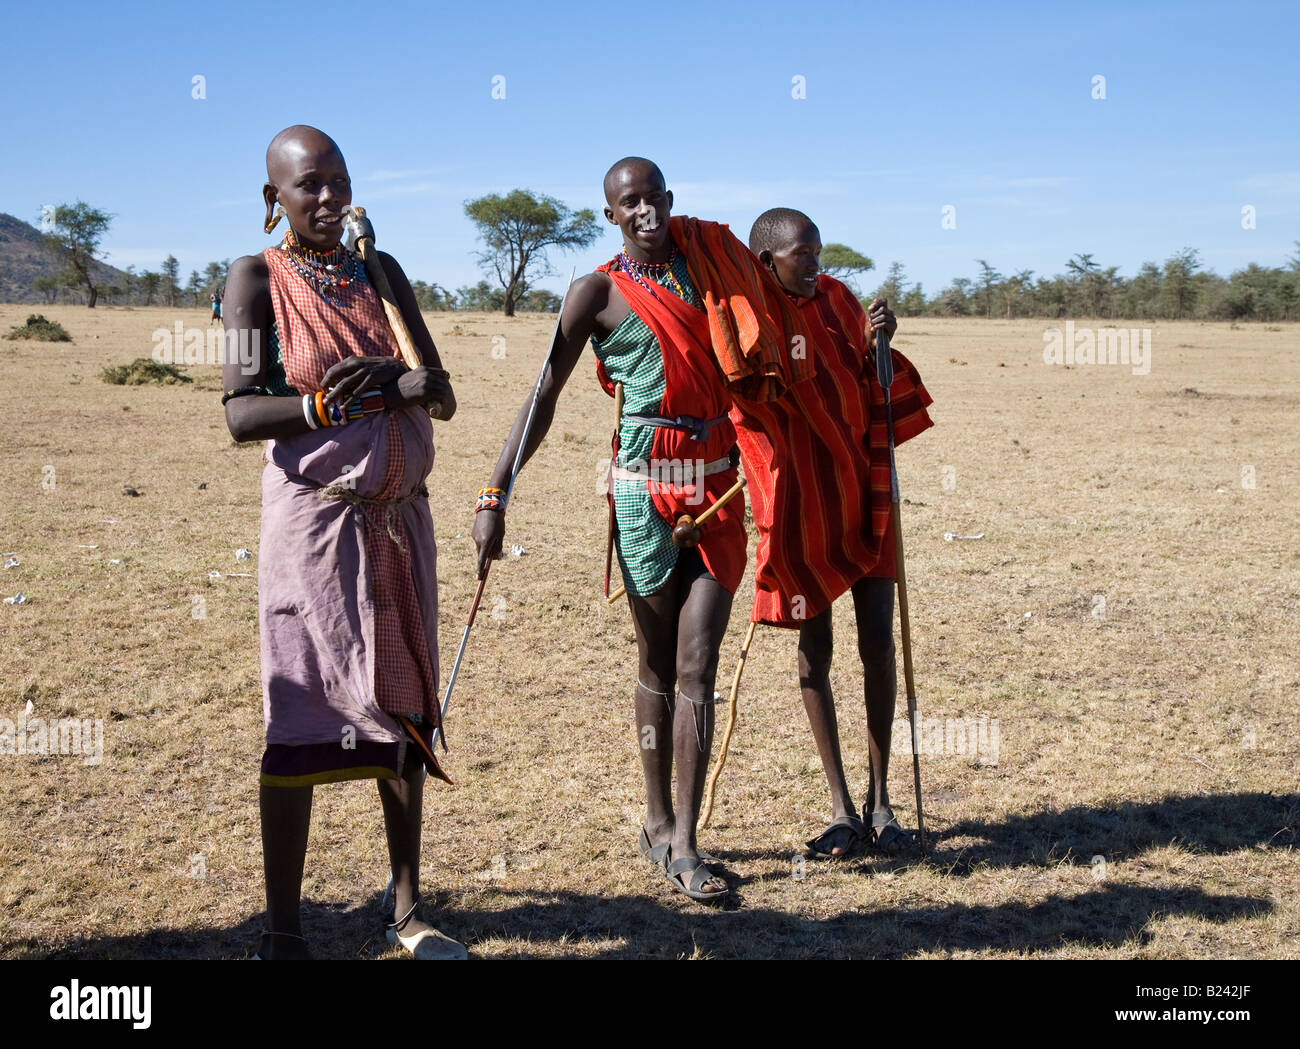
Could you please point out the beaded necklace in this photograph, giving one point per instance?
(638, 271)
(327, 270)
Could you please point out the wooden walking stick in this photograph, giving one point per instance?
(362, 234)
(686, 523)
(726, 736)
(885, 373)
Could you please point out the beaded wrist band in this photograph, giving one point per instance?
(490, 499)
(242, 391)
(369, 402)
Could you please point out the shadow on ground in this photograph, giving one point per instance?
(663, 925)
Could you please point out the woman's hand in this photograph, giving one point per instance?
(353, 376)
(423, 386)
(489, 531)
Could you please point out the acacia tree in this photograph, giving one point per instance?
(171, 272)
(843, 263)
(893, 287)
(517, 229)
(73, 239)
(150, 282)
(214, 276)
(1179, 286)
(989, 278)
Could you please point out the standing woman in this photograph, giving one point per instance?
(347, 591)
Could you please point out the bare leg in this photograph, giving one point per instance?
(873, 604)
(702, 622)
(286, 818)
(816, 645)
(654, 620)
(402, 801)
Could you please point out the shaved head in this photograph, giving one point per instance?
(776, 227)
(629, 169)
(307, 177)
(293, 143)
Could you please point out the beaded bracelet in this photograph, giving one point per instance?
(242, 391)
(369, 402)
(490, 499)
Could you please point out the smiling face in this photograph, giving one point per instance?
(796, 258)
(639, 204)
(307, 174)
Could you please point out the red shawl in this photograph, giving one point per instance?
(817, 462)
(692, 386)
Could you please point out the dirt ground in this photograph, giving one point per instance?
(1129, 618)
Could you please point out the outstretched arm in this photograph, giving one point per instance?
(587, 300)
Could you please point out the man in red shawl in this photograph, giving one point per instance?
(817, 463)
(680, 318)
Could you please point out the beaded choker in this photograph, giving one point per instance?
(327, 270)
(638, 271)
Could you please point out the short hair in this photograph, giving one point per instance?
(766, 233)
(628, 162)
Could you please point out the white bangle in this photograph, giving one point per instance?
(309, 412)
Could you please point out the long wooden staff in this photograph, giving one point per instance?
(885, 373)
(717, 505)
(361, 231)
(726, 736)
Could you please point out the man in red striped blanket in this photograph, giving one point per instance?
(817, 464)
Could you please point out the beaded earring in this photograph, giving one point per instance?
(272, 223)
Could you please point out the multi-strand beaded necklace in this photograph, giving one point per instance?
(638, 271)
(326, 270)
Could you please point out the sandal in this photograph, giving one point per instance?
(819, 848)
(427, 946)
(656, 854)
(287, 935)
(886, 835)
(699, 874)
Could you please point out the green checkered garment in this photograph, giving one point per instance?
(276, 383)
(631, 355)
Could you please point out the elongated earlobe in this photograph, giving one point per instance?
(272, 222)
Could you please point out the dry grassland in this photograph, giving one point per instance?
(1156, 730)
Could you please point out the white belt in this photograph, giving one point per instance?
(676, 472)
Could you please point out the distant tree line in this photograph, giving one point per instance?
(1179, 288)
(160, 287)
(518, 229)
(482, 297)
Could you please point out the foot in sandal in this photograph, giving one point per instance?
(421, 940)
(691, 875)
(840, 838)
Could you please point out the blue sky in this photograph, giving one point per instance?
(908, 108)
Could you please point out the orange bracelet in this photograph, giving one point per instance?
(321, 413)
